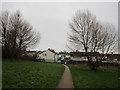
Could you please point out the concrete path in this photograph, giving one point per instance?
(66, 80)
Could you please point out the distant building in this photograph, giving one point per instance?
(112, 58)
(76, 57)
(82, 56)
(48, 55)
(31, 53)
(63, 56)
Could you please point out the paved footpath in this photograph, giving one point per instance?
(66, 80)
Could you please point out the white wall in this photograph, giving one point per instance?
(75, 58)
(48, 56)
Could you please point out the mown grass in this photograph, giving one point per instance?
(103, 78)
(28, 74)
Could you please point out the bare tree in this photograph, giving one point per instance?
(4, 25)
(17, 34)
(91, 35)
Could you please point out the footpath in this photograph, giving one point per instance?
(66, 80)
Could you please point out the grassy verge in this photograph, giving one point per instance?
(103, 78)
(28, 74)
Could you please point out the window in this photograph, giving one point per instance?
(45, 54)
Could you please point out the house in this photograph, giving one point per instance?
(81, 57)
(48, 55)
(78, 57)
(112, 58)
(29, 55)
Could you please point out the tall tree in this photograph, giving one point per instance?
(91, 36)
(17, 34)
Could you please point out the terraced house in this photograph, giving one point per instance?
(48, 55)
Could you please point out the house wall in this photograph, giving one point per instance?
(48, 56)
(56, 57)
(76, 58)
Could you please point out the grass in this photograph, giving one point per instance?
(28, 74)
(103, 78)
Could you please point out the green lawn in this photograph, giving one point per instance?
(28, 74)
(103, 78)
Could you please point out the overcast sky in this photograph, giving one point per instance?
(51, 19)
